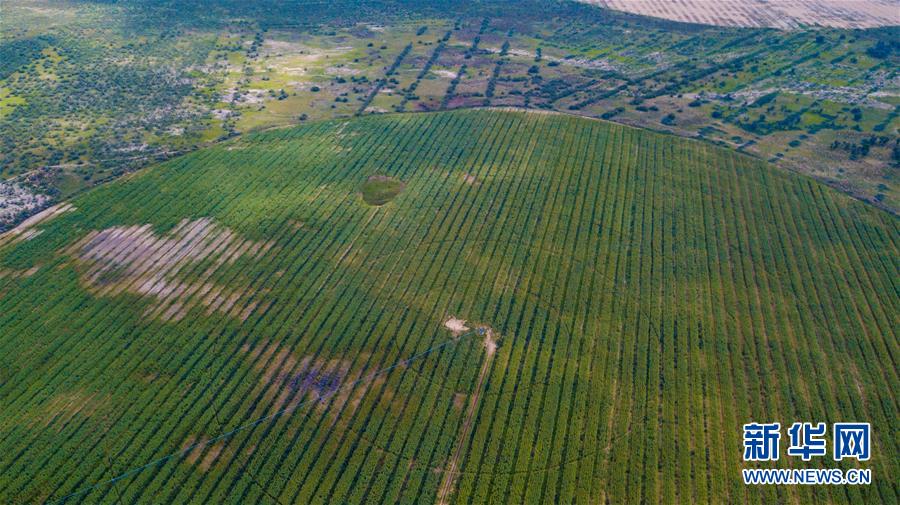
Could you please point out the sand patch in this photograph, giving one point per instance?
(489, 342)
(194, 453)
(785, 14)
(457, 326)
(240, 97)
(212, 455)
(135, 260)
(343, 71)
(444, 73)
(65, 406)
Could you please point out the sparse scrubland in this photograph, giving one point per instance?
(553, 309)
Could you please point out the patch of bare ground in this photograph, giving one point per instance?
(16, 199)
(457, 326)
(135, 260)
(448, 483)
(784, 14)
(469, 179)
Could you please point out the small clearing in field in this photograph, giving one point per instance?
(344, 71)
(457, 326)
(459, 400)
(490, 345)
(18, 274)
(470, 179)
(212, 455)
(381, 189)
(445, 73)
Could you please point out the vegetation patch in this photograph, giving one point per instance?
(381, 189)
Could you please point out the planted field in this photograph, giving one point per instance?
(553, 309)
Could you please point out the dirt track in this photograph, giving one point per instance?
(449, 481)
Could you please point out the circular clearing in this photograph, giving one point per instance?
(381, 189)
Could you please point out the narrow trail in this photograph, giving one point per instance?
(450, 472)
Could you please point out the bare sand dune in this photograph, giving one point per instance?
(785, 14)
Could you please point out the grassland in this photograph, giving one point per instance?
(380, 189)
(555, 308)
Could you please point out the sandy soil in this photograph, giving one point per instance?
(785, 14)
(444, 73)
(135, 260)
(60, 409)
(457, 326)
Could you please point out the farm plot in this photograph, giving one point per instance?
(553, 309)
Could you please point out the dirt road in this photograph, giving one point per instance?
(449, 481)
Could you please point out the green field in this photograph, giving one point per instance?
(648, 294)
